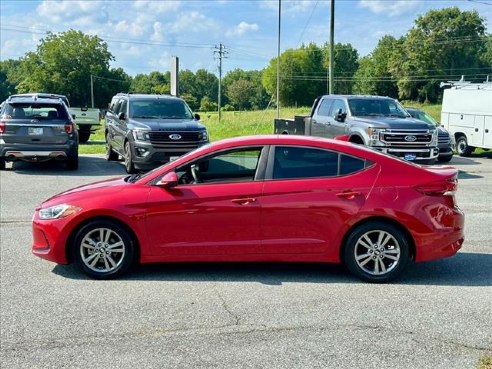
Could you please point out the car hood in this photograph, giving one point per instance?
(168, 124)
(88, 190)
(393, 122)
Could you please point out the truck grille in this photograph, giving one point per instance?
(181, 138)
(407, 138)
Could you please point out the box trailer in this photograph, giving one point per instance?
(467, 114)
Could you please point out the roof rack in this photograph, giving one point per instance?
(462, 83)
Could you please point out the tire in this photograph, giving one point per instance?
(129, 166)
(376, 252)
(462, 147)
(2, 164)
(73, 161)
(84, 136)
(110, 154)
(103, 249)
(444, 159)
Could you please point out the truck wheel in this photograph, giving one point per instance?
(462, 146)
(2, 164)
(84, 136)
(376, 252)
(129, 166)
(444, 159)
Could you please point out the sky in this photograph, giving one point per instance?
(143, 35)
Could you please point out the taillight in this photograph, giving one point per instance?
(440, 188)
(2, 126)
(69, 128)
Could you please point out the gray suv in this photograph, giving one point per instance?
(37, 128)
(148, 130)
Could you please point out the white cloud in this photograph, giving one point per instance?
(242, 28)
(294, 6)
(192, 22)
(132, 28)
(157, 7)
(391, 8)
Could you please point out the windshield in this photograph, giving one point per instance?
(424, 117)
(376, 107)
(160, 109)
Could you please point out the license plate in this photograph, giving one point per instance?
(172, 158)
(34, 131)
(410, 157)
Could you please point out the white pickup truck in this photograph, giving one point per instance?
(88, 120)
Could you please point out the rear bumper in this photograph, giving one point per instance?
(37, 153)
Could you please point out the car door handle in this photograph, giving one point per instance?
(349, 195)
(244, 201)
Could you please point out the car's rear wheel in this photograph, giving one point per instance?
(103, 249)
(73, 161)
(462, 146)
(110, 154)
(129, 166)
(376, 252)
(84, 136)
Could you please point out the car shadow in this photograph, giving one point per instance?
(89, 165)
(464, 269)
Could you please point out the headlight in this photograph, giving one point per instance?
(374, 136)
(57, 211)
(141, 135)
(203, 136)
(435, 138)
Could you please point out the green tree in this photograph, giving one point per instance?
(207, 105)
(64, 63)
(346, 63)
(259, 98)
(239, 93)
(443, 45)
(153, 83)
(8, 71)
(376, 73)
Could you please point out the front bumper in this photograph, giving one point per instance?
(145, 154)
(411, 154)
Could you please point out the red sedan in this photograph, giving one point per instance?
(259, 198)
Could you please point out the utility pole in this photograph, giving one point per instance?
(92, 92)
(332, 45)
(278, 58)
(220, 53)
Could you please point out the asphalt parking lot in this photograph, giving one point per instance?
(239, 316)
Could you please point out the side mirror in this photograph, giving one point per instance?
(170, 180)
(340, 116)
(122, 116)
(197, 116)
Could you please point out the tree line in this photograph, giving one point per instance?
(442, 45)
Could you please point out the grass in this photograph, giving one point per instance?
(485, 363)
(241, 123)
(232, 124)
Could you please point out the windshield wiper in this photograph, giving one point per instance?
(145, 116)
(133, 178)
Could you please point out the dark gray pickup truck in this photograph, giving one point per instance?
(375, 121)
(148, 130)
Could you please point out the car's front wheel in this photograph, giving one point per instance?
(129, 166)
(376, 252)
(462, 146)
(103, 249)
(111, 155)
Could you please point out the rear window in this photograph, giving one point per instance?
(35, 111)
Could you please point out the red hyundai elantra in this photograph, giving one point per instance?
(259, 198)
